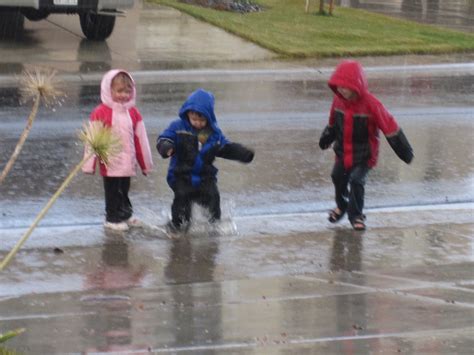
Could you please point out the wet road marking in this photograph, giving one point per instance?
(45, 316)
(399, 291)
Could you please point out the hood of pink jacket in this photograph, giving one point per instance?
(106, 90)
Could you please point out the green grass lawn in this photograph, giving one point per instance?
(286, 29)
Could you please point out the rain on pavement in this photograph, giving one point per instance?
(279, 278)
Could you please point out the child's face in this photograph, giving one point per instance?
(121, 91)
(197, 120)
(346, 93)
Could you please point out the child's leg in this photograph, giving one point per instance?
(210, 198)
(126, 209)
(181, 207)
(113, 199)
(340, 179)
(357, 179)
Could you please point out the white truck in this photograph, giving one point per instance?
(97, 17)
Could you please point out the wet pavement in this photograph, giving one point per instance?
(275, 277)
(278, 278)
(405, 289)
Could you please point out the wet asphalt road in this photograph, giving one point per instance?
(281, 120)
(279, 278)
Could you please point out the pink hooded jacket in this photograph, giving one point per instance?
(127, 123)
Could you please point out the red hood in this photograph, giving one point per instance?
(349, 74)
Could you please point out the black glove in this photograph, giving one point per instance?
(327, 137)
(163, 146)
(401, 146)
(236, 151)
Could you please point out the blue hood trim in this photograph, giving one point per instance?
(201, 101)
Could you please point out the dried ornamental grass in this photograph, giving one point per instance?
(36, 85)
(100, 141)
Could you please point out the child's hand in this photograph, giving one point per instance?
(165, 147)
(327, 137)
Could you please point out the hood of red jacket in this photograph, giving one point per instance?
(349, 74)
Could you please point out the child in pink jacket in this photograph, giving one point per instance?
(117, 91)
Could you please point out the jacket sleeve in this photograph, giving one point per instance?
(401, 146)
(236, 151)
(163, 145)
(393, 133)
(142, 146)
(90, 165)
(327, 137)
(167, 139)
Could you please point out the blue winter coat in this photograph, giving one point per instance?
(190, 161)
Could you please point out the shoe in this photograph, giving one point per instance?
(335, 216)
(119, 226)
(172, 228)
(133, 222)
(358, 223)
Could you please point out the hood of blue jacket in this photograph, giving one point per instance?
(201, 101)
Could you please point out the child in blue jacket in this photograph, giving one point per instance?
(193, 142)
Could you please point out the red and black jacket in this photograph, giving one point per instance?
(354, 124)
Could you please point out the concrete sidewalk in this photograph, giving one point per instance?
(403, 286)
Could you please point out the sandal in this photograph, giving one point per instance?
(335, 216)
(358, 224)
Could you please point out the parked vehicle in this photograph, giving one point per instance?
(97, 17)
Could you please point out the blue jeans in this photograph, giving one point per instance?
(350, 199)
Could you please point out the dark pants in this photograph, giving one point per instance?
(352, 199)
(207, 195)
(117, 204)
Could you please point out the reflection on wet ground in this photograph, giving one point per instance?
(398, 288)
(455, 14)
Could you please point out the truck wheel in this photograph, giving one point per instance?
(11, 24)
(97, 27)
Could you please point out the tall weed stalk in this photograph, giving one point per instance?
(100, 141)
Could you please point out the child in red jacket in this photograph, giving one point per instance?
(355, 119)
